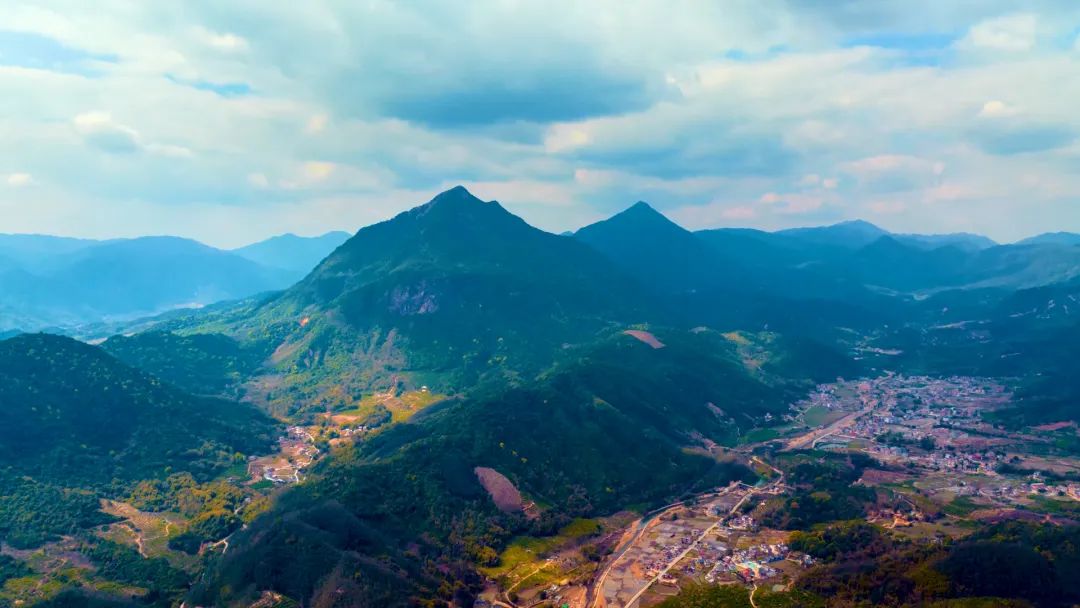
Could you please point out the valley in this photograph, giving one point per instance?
(454, 408)
(940, 469)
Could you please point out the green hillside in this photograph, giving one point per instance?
(450, 294)
(608, 425)
(76, 424)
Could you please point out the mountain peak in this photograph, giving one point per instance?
(642, 214)
(454, 196)
(860, 225)
(642, 206)
(458, 207)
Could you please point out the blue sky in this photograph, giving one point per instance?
(232, 121)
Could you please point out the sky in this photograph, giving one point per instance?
(233, 120)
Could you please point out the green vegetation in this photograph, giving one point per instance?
(819, 416)
(203, 364)
(1002, 565)
(11, 568)
(736, 596)
(576, 441)
(32, 512)
(77, 425)
(73, 413)
(961, 506)
(823, 491)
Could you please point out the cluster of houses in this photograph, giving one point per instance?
(672, 540)
(742, 523)
(296, 452)
(756, 562)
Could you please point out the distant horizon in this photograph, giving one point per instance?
(231, 123)
(510, 208)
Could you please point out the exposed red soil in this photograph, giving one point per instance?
(645, 337)
(502, 490)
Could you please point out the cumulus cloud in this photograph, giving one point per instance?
(1006, 33)
(99, 130)
(559, 110)
(17, 180)
(996, 109)
(226, 41)
(1009, 138)
(894, 172)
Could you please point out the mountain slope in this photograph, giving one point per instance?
(455, 290)
(77, 425)
(72, 412)
(655, 250)
(39, 251)
(616, 423)
(294, 253)
(1052, 238)
(852, 234)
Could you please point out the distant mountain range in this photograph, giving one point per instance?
(1053, 238)
(60, 282)
(294, 253)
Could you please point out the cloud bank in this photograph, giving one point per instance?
(229, 122)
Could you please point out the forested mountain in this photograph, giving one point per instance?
(576, 440)
(72, 412)
(77, 424)
(452, 292)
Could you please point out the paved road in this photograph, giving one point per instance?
(591, 591)
(702, 536)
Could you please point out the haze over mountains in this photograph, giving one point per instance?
(61, 282)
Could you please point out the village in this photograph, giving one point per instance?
(709, 540)
(928, 432)
(936, 426)
(296, 452)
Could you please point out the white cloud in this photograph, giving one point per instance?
(17, 180)
(745, 212)
(318, 170)
(729, 101)
(1007, 33)
(316, 124)
(258, 180)
(996, 109)
(225, 41)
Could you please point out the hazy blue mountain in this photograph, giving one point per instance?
(724, 278)
(38, 252)
(858, 233)
(657, 251)
(1024, 266)
(852, 234)
(964, 240)
(1052, 238)
(294, 253)
(127, 278)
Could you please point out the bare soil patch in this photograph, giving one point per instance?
(645, 337)
(502, 490)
